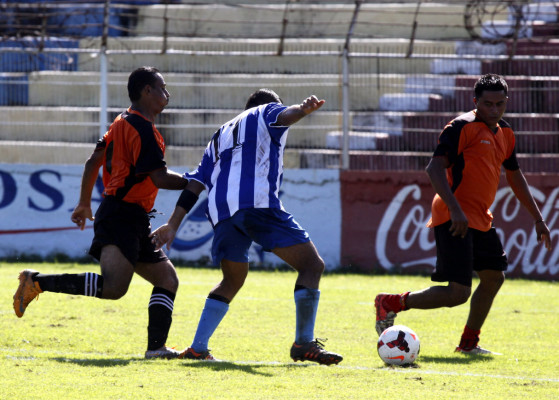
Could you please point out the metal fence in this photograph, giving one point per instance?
(392, 74)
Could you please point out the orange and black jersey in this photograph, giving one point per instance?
(133, 148)
(476, 154)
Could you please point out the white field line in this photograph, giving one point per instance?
(139, 358)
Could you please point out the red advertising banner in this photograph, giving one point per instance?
(384, 217)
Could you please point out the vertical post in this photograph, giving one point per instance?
(345, 88)
(103, 93)
(165, 27)
(284, 22)
(413, 30)
(345, 110)
(103, 80)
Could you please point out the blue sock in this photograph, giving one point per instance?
(213, 313)
(306, 305)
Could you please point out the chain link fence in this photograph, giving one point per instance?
(393, 74)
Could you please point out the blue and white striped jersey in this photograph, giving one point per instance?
(242, 166)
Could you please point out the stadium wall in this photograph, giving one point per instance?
(366, 220)
(36, 202)
(384, 217)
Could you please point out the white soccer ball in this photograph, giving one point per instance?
(398, 345)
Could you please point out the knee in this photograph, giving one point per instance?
(235, 281)
(165, 277)
(114, 292)
(459, 295)
(317, 267)
(498, 279)
(171, 282)
(321, 266)
(491, 280)
(312, 270)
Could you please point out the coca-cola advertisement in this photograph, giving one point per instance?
(385, 215)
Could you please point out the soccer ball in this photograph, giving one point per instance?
(398, 345)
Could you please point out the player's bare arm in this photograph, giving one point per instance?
(519, 186)
(164, 178)
(436, 170)
(296, 112)
(165, 234)
(82, 212)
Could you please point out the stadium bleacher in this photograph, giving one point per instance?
(402, 91)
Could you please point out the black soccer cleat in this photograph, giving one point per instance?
(314, 351)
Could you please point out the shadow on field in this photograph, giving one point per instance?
(100, 362)
(457, 359)
(249, 368)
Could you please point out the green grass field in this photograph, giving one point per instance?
(72, 347)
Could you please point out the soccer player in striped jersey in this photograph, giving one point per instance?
(132, 156)
(242, 170)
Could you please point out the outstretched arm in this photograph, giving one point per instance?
(165, 234)
(437, 175)
(519, 186)
(164, 178)
(294, 113)
(90, 174)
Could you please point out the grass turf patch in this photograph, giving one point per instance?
(77, 347)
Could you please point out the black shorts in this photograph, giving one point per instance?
(126, 226)
(457, 258)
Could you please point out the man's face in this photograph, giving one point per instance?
(491, 106)
(158, 93)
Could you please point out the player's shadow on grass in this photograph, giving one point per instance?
(226, 365)
(96, 362)
(457, 359)
(249, 368)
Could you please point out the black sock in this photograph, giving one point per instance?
(299, 287)
(160, 311)
(219, 298)
(86, 284)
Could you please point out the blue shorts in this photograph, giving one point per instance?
(270, 228)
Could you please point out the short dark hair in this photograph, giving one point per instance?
(490, 82)
(262, 96)
(138, 80)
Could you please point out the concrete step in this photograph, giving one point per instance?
(204, 91)
(394, 92)
(42, 152)
(545, 30)
(371, 160)
(58, 124)
(383, 20)
(408, 160)
(392, 130)
(419, 131)
(357, 140)
(196, 127)
(178, 127)
(77, 153)
(534, 48)
(538, 67)
(33, 152)
(282, 3)
(230, 55)
(530, 93)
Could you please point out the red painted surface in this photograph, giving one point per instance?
(384, 216)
